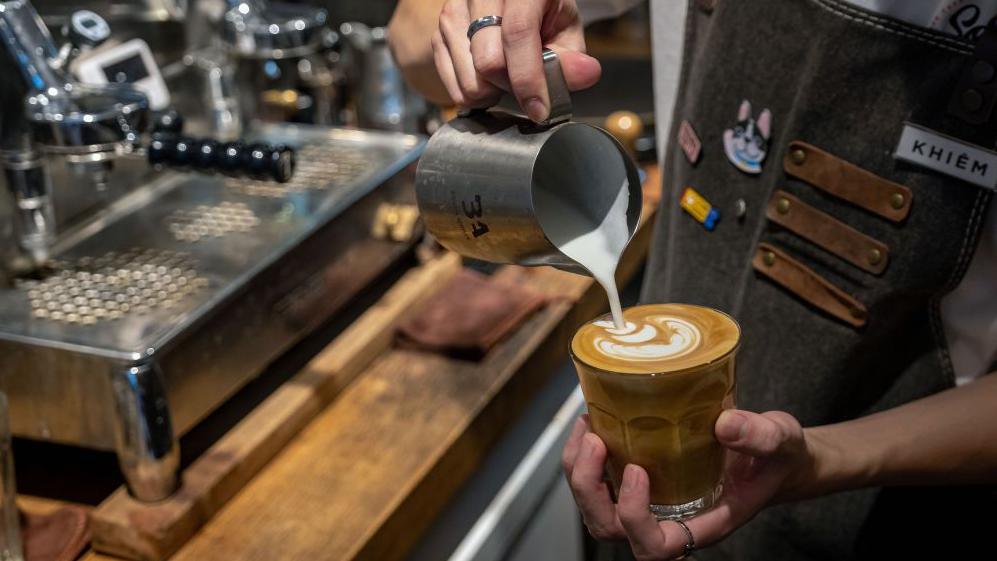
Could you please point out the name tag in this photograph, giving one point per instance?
(951, 156)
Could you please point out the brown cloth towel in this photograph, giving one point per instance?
(62, 535)
(467, 316)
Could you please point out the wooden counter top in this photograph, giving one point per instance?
(366, 476)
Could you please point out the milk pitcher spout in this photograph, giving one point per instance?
(495, 186)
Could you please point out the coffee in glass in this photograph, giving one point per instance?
(654, 391)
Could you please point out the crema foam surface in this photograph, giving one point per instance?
(658, 338)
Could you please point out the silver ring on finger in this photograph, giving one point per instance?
(690, 544)
(481, 23)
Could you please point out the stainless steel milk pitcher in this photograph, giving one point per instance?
(492, 184)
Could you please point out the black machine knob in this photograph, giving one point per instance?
(205, 156)
(235, 159)
(274, 162)
(169, 121)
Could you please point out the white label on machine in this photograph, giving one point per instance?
(128, 63)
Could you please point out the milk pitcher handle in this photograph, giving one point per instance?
(557, 92)
(557, 89)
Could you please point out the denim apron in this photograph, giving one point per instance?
(829, 339)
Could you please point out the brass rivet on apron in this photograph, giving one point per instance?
(740, 208)
(897, 200)
(782, 205)
(768, 258)
(798, 156)
(983, 72)
(875, 256)
(971, 100)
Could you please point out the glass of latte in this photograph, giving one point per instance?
(654, 390)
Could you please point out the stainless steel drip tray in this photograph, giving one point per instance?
(202, 280)
(126, 291)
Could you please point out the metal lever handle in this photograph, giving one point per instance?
(557, 92)
(557, 89)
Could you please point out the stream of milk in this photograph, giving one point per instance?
(596, 245)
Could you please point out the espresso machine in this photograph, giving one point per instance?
(276, 61)
(147, 275)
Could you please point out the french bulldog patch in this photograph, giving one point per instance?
(747, 143)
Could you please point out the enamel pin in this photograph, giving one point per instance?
(689, 141)
(699, 208)
(746, 145)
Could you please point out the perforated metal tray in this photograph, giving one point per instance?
(224, 230)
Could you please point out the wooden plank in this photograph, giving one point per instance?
(357, 471)
(365, 479)
(134, 530)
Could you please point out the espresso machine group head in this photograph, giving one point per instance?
(285, 59)
(47, 113)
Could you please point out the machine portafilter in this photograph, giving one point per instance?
(48, 113)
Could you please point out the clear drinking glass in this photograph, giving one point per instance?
(10, 534)
(663, 421)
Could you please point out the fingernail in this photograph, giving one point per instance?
(536, 109)
(629, 478)
(731, 426)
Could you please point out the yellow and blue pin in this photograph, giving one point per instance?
(699, 208)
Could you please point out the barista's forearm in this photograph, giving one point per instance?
(410, 33)
(946, 438)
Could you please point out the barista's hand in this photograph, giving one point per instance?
(770, 461)
(508, 57)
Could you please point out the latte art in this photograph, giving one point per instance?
(656, 338)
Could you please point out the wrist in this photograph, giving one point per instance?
(834, 463)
